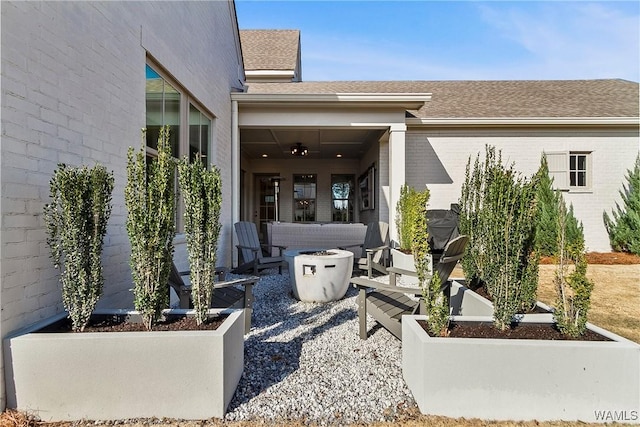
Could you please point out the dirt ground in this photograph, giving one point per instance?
(615, 305)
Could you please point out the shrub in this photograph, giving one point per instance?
(76, 222)
(150, 200)
(624, 227)
(437, 306)
(408, 211)
(497, 213)
(547, 202)
(572, 285)
(202, 191)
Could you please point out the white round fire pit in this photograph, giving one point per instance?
(319, 275)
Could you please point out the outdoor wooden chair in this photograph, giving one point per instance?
(387, 303)
(375, 249)
(235, 293)
(250, 250)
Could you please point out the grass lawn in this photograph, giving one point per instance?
(615, 300)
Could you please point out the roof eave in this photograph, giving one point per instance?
(524, 121)
(411, 101)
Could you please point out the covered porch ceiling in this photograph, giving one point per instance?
(328, 124)
(275, 143)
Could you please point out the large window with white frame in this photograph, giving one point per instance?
(570, 170)
(168, 103)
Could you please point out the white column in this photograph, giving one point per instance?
(235, 179)
(396, 173)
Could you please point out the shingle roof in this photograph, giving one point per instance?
(484, 99)
(270, 49)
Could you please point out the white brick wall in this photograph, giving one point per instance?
(73, 91)
(439, 159)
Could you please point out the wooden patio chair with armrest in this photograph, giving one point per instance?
(236, 293)
(250, 250)
(375, 249)
(387, 303)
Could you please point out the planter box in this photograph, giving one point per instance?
(119, 375)
(512, 379)
(466, 302)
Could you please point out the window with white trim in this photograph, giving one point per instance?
(168, 103)
(570, 170)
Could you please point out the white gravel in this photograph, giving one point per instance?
(306, 362)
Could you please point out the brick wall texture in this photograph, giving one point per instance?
(73, 91)
(439, 159)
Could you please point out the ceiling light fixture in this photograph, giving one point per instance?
(299, 150)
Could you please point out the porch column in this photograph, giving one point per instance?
(235, 179)
(396, 172)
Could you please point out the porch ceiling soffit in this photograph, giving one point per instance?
(328, 124)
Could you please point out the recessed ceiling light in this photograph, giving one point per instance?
(265, 155)
(338, 155)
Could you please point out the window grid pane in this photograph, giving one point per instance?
(304, 195)
(342, 193)
(578, 170)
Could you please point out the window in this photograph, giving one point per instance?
(199, 128)
(578, 170)
(163, 108)
(304, 198)
(190, 128)
(342, 197)
(571, 171)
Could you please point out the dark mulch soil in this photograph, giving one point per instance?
(526, 331)
(603, 258)
(114, 323)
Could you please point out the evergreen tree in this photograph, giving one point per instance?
(547, 202)
(624, 227)
(546, 212)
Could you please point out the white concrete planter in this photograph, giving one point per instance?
(501, 379)
(119, 375)
(466, 302)
(319, 278)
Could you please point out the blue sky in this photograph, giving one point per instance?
(457, 40)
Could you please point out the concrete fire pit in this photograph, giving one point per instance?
(319, 275)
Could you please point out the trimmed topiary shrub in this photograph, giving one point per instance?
(150, 200)
(76, 221)
(202, 192)
(497, 213)
(408, 211)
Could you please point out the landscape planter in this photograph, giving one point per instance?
(466, 302)
(119, 375)
(517, 379)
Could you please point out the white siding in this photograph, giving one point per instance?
(73, 91)
(439, 158)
